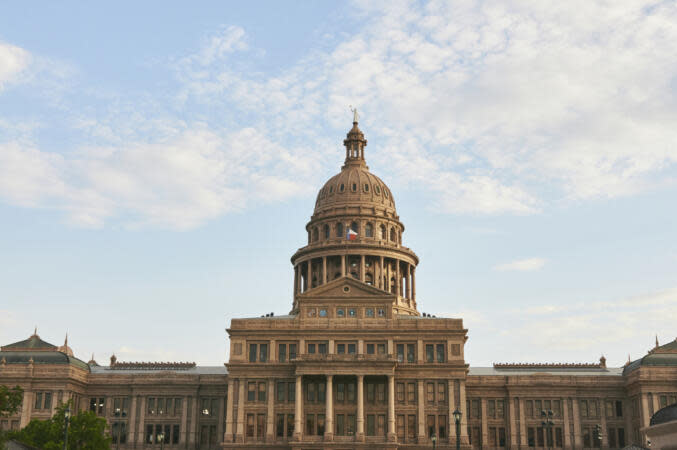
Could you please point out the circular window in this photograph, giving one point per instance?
(341, 188)
(377, 189)
(346, 288)
(366, 187)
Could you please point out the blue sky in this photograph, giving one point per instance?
(158, 163)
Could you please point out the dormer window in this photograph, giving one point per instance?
(366, 187)
(354, 187)
(342, 187)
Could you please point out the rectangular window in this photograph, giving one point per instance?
(440, 353)
(351, 349)
(149, 434)
(260, 426)
(48, 401)
(321, 392)
(263, 352)
(310, 392)
(262, 391)
(310, 424)
(92, 404)
(320, 424)
(381, 349)
(411, 426)
(38, 400)
(370, 349)
(491, 409)
(279, 427)
(475, 408)
(252, 353)
(176, 433)
(290, 425)
(529, 406)
(350, 423)
(322, 349)
(340, 348)
(340, 392)
(411, 353)
(400, 392)
(531, 437)
(400, 428)
(150, 409)
(500, 409)
(501, 437)
(441, 391)
(292, 351)
(177, 406)
(291, 391)
(411, 393)
(311, 348)
(558, 437)
(281, 390)
(430, 393)
(160, 406)
(429, 353)
(251, 391)
(619, 408)
(493, 436)
(442, 427)
(611, 436)
(621, 437)
(371, 425)
(381, 392)
(351, 392)
(282, 352)
(370, 392)
(340, 425)
(381, 425)
(400, 352)
(430, 426)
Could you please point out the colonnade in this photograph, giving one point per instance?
(389, 274)
(235, 426)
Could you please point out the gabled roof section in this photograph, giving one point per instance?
(344, 288)
(33, 343)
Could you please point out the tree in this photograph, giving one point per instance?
(86, 431)
(10, 400)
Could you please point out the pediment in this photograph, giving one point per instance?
(345, 287)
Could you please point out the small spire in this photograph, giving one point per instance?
(65, 342)
(629, 358)
(35, 331)
(656, 340)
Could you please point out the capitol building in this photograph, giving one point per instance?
(354, 365)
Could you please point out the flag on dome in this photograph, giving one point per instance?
(352, 234)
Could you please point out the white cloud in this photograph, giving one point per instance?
(521, 265)
(13, 62)
(179, 181)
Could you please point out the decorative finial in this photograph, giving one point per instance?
(629, 358)
(35, 331)
(65, 342)
(356, 116)
(602, 361)
(656, 340)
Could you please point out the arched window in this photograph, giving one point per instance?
(354, 187)
(383, 232)
(392, 234)
(316, 234)
(326, 231)
(331, 189)
(366, 187)
(355, 227)
(377, 189)
(339, 229)
(369, 279)
(369, 230)
(341, 188)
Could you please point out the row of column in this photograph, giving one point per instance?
(405, 278)
(237, 426)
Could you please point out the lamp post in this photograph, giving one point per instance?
(598, 434)
(66, 418)
(457, 421)
(161, 438)
(547, 425)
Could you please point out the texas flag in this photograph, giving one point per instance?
(351, 235)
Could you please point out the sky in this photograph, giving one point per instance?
(159, 161)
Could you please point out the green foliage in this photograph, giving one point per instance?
(86, 431)
(10, 399)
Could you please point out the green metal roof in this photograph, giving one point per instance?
(32, 343)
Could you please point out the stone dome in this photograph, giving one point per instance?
(354, 185)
